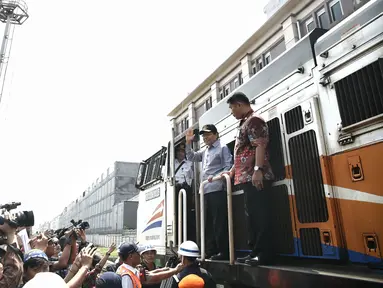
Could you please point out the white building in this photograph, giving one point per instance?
(108, 205)
(289, 21)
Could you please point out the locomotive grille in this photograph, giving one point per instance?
(294, 120)
(310, 242)
(277, 161)
(360, 95)
(307, 178)
(282, 231)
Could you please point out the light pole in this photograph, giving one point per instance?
(12, 12)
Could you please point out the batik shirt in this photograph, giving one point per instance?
(253, 132)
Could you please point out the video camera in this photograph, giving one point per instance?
(80, 225)
(75, 225)
(18, 219)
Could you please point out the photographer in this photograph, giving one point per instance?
(95, 268)
(11, 257)
(43, 243)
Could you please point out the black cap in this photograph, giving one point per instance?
(209, 128)
(128, 248)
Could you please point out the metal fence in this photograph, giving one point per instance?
(107, 240)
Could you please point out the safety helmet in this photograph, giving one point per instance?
(189, 249)
(147, 248)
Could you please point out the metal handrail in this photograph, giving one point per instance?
(183, 220)
(229, 216)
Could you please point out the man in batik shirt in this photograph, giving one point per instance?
(252, 174)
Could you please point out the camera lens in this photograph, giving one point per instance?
(84, 225)
(25, 219)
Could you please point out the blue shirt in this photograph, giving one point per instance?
(215, 159)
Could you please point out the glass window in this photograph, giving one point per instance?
(236, 82)
(267, 58)
(259, 64)
(253, 67)
(323, 20)
(221, 96)
(336, 10)
(208, 103)
(199, 111)
(227, 89)
(178, 131)
(310, 25)
(112, 185)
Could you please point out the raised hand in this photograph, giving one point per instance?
(189, 136)
(87, 255)
(112, 248)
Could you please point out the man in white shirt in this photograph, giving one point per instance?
(184, 175)
(184, 168)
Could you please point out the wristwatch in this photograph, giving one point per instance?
(256, 168)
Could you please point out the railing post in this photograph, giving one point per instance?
(182, 221)
(202, 211)
(229, 216)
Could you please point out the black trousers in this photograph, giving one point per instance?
(216, 230)
(258, 218)
(191, 224)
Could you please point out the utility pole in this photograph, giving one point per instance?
(12, 12)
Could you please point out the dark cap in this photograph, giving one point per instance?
(180, 147)
(109, 280)
(209, 128)
(34, 254)
(128, 248)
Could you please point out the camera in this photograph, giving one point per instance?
(77, 225)
(80, 225)
(18, 219)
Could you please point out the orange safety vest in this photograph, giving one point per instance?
(122, 270)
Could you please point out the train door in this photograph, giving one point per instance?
(314, 212)
(282, 218)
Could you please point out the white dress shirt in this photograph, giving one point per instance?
(185, 173)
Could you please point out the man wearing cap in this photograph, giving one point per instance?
(131, 278)
(109, 280)
(184, 176)
(215, 158)
(253, 174)
(148, 255)
(35, 261)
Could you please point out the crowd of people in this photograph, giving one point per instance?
(72, 262)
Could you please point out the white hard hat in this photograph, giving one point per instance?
(189, 249)
(147, 248)
(46, 279)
